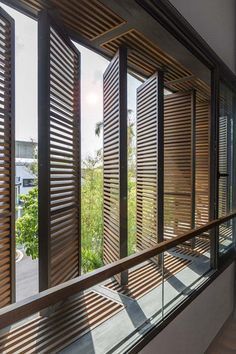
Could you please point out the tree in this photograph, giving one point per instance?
(27, 225)
(91, 212)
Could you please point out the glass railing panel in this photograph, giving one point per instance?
(108, 316)
(186, 267)
(226, 240)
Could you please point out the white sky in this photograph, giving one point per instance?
(92, 68)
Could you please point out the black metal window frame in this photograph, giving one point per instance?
(175, 24)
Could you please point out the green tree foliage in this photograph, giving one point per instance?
(27, 225)
(91, 213)
(131, 213)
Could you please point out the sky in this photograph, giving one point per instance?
(92, 69)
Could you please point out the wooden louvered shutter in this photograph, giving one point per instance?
(224, 161)
(179, 171)
(115, 160)
(59, 155)
(7, 160)
(202, 163)
(150, 162)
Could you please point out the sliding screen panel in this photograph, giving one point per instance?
(115, 160)
(224, 165)
(179, 164)
(7, 160)
(202, 163)
(150, 162)
(59, 155)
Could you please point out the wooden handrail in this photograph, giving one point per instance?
(22, 309)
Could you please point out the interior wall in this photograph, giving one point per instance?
(192, 331)
(215, 21)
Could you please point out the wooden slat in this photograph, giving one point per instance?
(225, 171)
(115, 157)
(59, 155)
(149, 176)
(7, 164)
(146, 55)
(178, 164)
(202, 163)
(224, 177)
(90, 18)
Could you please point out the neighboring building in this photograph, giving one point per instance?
(25, 149)
(25, 178)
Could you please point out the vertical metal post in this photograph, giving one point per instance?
(160, 156)
(123, 170)
(43, 150)
(234, 167)
(193, 161)
(78, 158)
(214, 166)
(12, 181)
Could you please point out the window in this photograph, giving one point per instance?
(28, 182)
(226, 184)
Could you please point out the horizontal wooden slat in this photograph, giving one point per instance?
(63, 150)
(7, 179)
(149, 162)
(91, 19)
(115, 160)
(178, 172)
(202, 163)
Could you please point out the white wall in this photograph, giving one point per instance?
(192, 331)
(215, 21)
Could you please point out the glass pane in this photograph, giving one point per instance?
(226, 185)
(186, 267)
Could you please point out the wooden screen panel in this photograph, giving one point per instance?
(7, 157)
(202, 163)
(178, 163)
(150, 162)
(115, 160)
(59, 155)
(224, 149)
